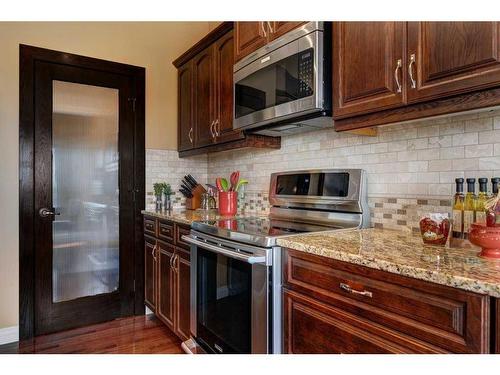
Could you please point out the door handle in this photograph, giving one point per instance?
(270, 27)
(46, 212)
(153, 253)
(217, 127)
(349, 289)
(212, 125)
(410, 71)
(399, 64)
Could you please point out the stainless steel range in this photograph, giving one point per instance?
(236, 263)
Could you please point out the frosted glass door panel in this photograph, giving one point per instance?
(85, 191)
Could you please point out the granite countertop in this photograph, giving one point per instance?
(404, 254)
(189, 216)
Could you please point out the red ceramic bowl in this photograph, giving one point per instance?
(488, 238)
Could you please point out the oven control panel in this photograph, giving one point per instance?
(306, 73)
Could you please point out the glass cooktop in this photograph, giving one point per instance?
(262, 231)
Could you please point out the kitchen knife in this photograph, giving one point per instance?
(186, 187)
(188, 182)
(186, 193)
(192, 179)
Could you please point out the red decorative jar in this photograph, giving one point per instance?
(488, 238)
(228, 203)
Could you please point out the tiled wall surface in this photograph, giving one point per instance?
(407, 164)
(410, 167)
(166, 166)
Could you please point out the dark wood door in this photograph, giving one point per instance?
(447, 58)
(183, 292)
(184, 107)
(150, 270)
(204, 97)
(224, 60)
(279, 28)
(368, 62)
(166, 282)
(84, 230)
(249, 36)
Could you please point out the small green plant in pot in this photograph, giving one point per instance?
(158, 191)
(167, 192)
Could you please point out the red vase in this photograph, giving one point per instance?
(228, 203)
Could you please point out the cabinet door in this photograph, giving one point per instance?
(224, 60)
(280, 28)
(203, 69)
(368, 59)
(165, 305)
(452, 58)
(185, 128)
(150, 272)
(183, 292)
(312, 328)
(249, 36)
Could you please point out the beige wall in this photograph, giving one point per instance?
(151, 45)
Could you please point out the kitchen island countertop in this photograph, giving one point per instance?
(404, 254)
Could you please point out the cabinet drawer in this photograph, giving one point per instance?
(312, 327)
(149, 226)
(446, 317)
(182, 230)
(166, 230)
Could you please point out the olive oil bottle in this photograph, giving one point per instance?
(494, 186)
(482, 197)
(458, 209)
(469, 205)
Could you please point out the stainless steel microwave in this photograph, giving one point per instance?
(285, 86)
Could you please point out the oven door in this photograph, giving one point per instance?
(283, 84)
(229, 295)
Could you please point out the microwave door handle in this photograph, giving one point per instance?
(221, 250)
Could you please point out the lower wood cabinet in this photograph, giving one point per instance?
(167, 274)
(338, 307)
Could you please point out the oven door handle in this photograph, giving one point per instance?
(221, 250)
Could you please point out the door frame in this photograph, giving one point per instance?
(28, 55)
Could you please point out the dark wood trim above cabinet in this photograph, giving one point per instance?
(210, 38)
(247, 141)
(444, 106)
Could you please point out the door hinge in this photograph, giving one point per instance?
(133, 100)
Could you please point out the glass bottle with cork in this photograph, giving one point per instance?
(482, 197)
(458, 209)
(469, 205)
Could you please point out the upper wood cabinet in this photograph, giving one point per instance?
(184, 106)
(386, 72)
(205, 98)
(447, 58)
(250, 36)
(368, 66)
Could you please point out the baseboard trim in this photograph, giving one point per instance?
(9, 334)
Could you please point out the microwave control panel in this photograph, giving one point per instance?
(306, 73)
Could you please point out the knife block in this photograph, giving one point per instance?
(195, 202)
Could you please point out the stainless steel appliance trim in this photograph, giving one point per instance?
(279, 42)
(356, 181)
(299, 107)
(229, 252)
(335, 220)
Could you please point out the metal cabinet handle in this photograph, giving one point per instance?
(410, 70)
(153, 252)
(176, 263)
(348, 289)
(399, 65)
(171, 261)
(217, 127)
(263, 29)
(270, 27)
(190, 135)
(212, 128)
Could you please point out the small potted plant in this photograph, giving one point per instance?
(158, 190)
(167, 192)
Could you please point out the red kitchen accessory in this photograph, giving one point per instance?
(218, 183)
(228, 203)
(492, 207)
(488, 238)
(235, 176)
(435, 228)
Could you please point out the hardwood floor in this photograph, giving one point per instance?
(133, 335)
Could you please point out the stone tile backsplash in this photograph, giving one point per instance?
(410, 167)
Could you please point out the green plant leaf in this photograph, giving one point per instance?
(224, 184)
(240, 183)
